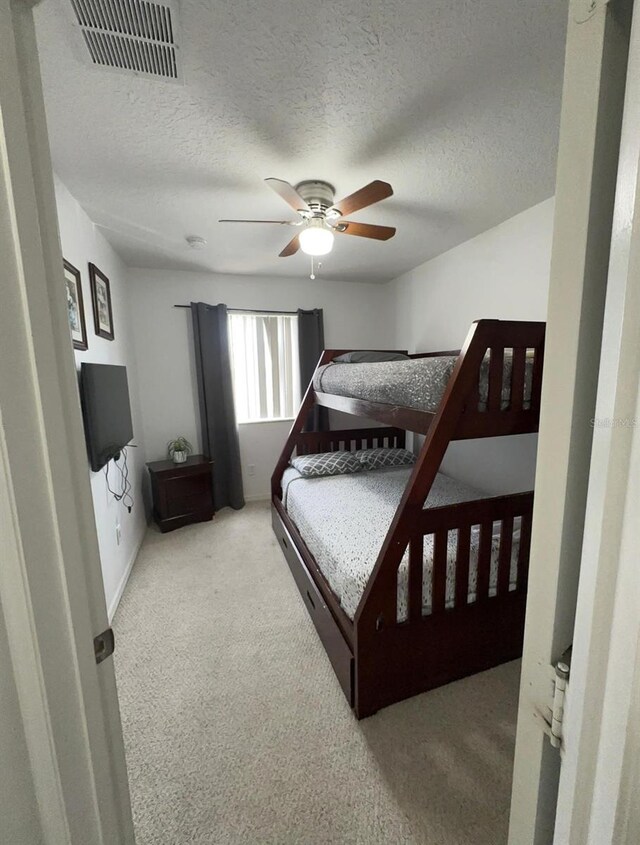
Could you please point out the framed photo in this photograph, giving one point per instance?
(101, 297)
(75, 306)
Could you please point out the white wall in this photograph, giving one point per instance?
(504, 274)
(355, 314)
(82, 243)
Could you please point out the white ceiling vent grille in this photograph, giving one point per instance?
(129, 35)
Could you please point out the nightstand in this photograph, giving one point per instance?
(182, 493)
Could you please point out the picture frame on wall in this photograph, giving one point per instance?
(101, 298)
(75, 306)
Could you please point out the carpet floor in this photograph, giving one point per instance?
(237, 731)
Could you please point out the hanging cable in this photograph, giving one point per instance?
(124, 495)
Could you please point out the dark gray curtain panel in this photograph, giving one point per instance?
(217, 411)
(310, 347)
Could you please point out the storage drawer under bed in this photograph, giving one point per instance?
(335, 645)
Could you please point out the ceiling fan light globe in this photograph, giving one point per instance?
(316, 241)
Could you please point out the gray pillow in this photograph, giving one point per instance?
(327, 463)
(364, 357)
(379, 458)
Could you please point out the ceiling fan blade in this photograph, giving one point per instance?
(366, 230)
(291, 248)
(280, 222)
(288, 194)
(370, 194)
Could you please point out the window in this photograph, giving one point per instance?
(264, 364)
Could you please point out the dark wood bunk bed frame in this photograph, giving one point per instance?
(379, 660)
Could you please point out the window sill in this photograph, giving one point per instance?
(271, 420)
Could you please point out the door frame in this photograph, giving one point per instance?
(50, 580)
(50, 583)
(598, 760)
(592, 107)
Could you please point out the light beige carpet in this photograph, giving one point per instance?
(236, 729)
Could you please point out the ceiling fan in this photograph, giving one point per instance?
(321, 216)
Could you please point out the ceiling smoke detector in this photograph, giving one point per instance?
(136, 36)
(196, 242)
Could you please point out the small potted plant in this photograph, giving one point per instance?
(179, 449)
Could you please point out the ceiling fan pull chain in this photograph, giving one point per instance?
(313, 275)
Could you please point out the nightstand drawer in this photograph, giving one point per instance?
(184, 494)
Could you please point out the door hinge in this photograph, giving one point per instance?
(104, 645)
(553, 717)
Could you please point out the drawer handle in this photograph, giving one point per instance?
(311, 602)
(284, 542)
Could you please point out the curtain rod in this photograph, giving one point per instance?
(251, 310)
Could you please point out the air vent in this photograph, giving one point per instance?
(129, 35)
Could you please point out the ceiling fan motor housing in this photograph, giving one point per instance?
(319, 196)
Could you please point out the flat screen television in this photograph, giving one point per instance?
(104, 391)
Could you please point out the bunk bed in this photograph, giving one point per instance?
(443, 595)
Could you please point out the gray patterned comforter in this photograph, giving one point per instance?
(417, 383)
(344, 519)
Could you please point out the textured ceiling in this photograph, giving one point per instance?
(455, 102)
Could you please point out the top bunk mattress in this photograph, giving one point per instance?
(344, 519)
(417, 383)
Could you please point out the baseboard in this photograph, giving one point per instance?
(259, 498)
(115, 601)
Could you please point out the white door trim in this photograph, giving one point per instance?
(27, 674)
(51, 587)
(593, 91)
(604, 667)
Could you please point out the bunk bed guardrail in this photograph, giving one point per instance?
(348, 440)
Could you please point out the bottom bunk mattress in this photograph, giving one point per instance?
(343, 520)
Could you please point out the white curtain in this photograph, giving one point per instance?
(264, 363)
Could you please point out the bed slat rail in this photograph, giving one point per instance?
(487, 535)
(349, 440)
(523, 553)
(496, 374)
(513, 380)
(517, 377)
(439, 572)
(463, 562)
(416, 557)
(491, 523)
